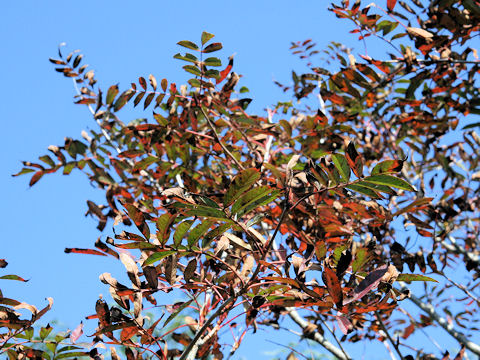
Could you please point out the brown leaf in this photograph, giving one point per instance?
(128, 332)
(190, 270)
(333, 286)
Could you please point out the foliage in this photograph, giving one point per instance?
(300, 217)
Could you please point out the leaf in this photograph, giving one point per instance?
(341, 164)
(188, 57)
(376, 187)
(418, 32)
(212, 47)
(206, 36)
(159, 255)
(414, 277)
(76, 333)
(198, 231)
(72, 354)
(241, 183)
(388, 180)
(370, 282)
(142, 82)
(153, 82)
(84, 251)
(192, 70)
(111, 93)
(163, 224)
(391, 5)
(354, 160)
(180, 232)
(12, 277)
(364, 190)
(249, 197)
(188, 44)
(388, 166)
(139, 219)
(148, 100)
(212, 61)
(333, 286)
(164, 84)
(37, 176)
(128, 332)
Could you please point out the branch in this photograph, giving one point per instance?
(430, 310)
(217, 137)
(394, 344)
(319, 338)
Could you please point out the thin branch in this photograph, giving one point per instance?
(394, 344)
(319, 338)
(430, 310)
(334, 336)
(217, 137)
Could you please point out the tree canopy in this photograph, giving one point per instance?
(323, 210)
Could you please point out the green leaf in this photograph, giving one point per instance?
(249, 197)
(12, 277)
(72, 354)
(158, 256)
(146, 162)
(365, 191)
(67, 169)
(46, 159)
(45, 331)
(212, 74)
(241, 183)
(260, 202)
(206, 36)
(206, 211)
(111, 93)
(377, 187)
(212, 47)
(198, 231)
(388, 166)
(212, 234)
(360, 259)
(342, 166)
(180, 231)
(212, 61)
(195, 83)
(188, 57)
(192, 69)
(389, 180)
(414, 277)
(24, 171)
(188, 44)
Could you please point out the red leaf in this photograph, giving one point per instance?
(224, 73)
(333, 286)
(84, 251)
(391, 4)
(36, 177)
(128, 332)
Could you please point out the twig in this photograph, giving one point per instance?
(394, 344)
(334, 336)
(217, 137)
(319, 338)
(430, 310)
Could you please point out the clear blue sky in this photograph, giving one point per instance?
(121, 40)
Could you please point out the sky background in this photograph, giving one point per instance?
(121, 41)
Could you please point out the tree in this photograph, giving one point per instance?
(299, 214)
